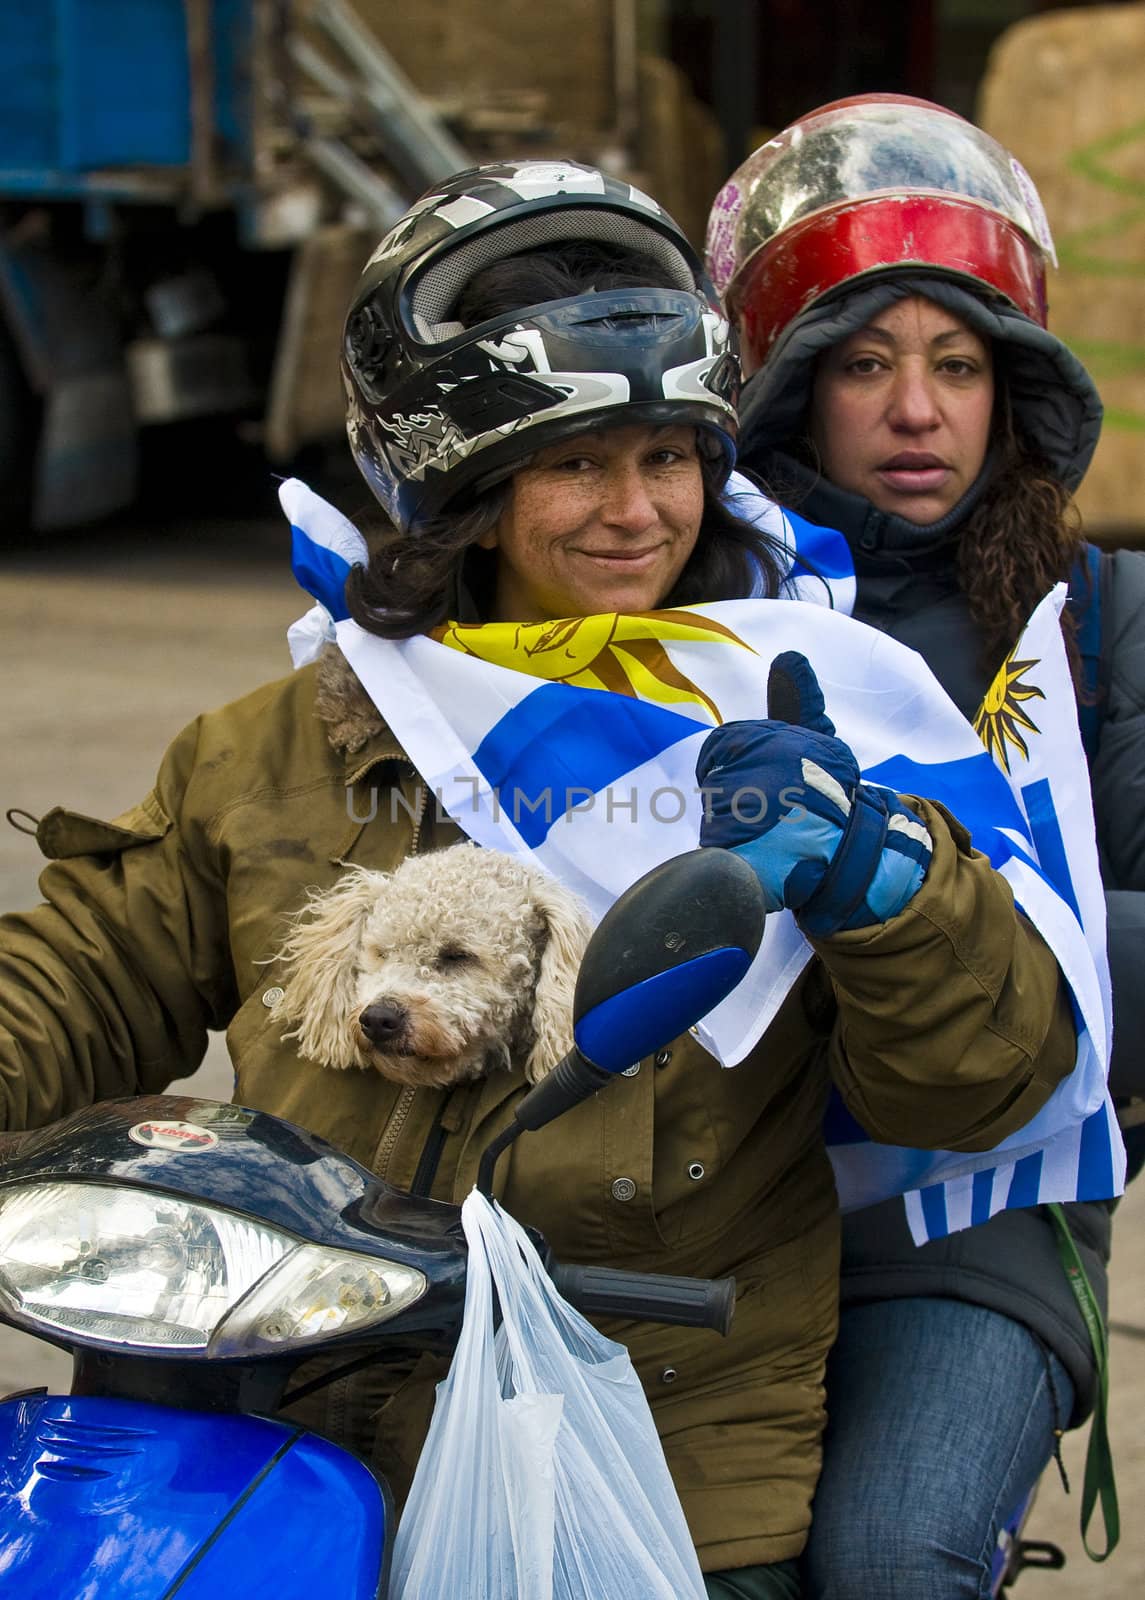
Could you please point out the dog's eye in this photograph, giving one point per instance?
(454, 955)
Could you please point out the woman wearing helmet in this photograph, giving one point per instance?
(885, 262)
(541, 397)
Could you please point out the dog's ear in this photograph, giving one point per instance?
(321, 956)
(568, 928)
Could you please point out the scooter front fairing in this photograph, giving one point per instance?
(122, 1500)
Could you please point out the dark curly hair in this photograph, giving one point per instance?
(412, 582)
(1022, 537)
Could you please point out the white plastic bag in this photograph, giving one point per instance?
(542, 1477)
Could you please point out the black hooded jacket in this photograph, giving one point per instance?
(907, 586)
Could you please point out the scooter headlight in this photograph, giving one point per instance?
(148, 1271)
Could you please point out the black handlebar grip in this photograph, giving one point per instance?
(648, 1296)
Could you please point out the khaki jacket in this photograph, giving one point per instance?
(946, 1026)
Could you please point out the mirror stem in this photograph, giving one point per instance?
(489, 1157)
(572, 1080)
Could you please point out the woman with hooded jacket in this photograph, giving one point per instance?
(885, 263)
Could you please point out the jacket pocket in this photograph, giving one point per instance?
(62, 834)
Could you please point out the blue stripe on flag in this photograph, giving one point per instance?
(981, 1192)
(933, 1199)
(561, 740)
(1025, 1182)
(972, 788)
(320, 571)
(979, 796)
(1095, 1163)
(821, 551)
(1048, 840)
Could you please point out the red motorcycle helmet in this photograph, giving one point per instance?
(874, 183)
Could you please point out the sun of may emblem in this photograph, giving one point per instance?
(1000, 718)
(624, 654)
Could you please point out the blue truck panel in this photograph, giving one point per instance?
(27, 106)
(101, 83)
(124, 88)
(93, 86)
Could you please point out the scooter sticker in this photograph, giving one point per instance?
(188, 1136)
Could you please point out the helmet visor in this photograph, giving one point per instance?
(860, 152)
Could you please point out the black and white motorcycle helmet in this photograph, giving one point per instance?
(436, 411)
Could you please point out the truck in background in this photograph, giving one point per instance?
(188, 190)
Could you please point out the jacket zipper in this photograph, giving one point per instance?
(431, 1152)
(422, 807)
(356, 774)
(390, 1138)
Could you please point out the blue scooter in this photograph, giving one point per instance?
(192, 1255)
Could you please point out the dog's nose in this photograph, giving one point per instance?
(383, 1021)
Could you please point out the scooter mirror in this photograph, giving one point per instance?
(671, 948)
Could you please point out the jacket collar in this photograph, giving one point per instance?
(868, 531)
(354, 726)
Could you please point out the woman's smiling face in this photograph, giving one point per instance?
(901, 410)
(603, 522)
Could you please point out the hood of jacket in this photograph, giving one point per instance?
(1052, 396)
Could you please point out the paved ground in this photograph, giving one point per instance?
(111, 640)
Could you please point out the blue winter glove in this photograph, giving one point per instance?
(787, 796)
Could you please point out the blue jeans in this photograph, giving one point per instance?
(940, 1419)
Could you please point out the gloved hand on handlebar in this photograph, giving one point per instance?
(787, 795)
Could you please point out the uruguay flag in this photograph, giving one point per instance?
(576, 742)
(324, 546)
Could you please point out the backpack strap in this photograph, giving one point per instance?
(1099, 1487)
(1087, 600)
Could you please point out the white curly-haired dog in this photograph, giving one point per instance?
(460, 960)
